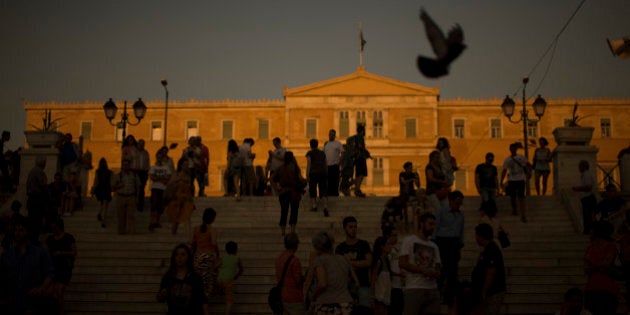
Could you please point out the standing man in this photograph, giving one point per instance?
(37, 193)
(4, 167)
(355, 149)
(275, 160)
(143, 164)
(126, 185)
(588, 191)
(420, 263)
(202, 167)
(360, 256)
(192, 155)
(487, 179)
(516, 166)
(449, 237)
(333, 150)
(488, 277)
(316, 175)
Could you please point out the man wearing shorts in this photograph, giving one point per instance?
(515, 167)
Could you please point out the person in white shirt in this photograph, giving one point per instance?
(160, 174)
(333, 150)
(420, 263)
(517, 169)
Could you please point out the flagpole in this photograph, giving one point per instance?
(360, 44)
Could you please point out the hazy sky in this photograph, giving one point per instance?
(211, 50)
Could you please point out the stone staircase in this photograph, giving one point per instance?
(121, 274)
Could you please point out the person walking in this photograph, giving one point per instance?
(102, 189)
(292, 294)
(358, 252)
(449, 237)
(233, 171)
(180, 207)
(290, 187)
(334, 151)
(143, 165)
(333, 276)
(316, 176)
(542, 158)
(587, 192)
(275, 160)
(488, 276)
(205, 252)
(37, 197)
(437, 186)
(62, 248)
(126, 185)
(517, 168)
(230, 269)
(160, 174)
(419, 261)
(487, 179)
(181, 288)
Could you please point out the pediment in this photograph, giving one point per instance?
(361, 83)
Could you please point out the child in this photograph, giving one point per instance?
(231, 268)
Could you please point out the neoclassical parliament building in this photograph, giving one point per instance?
(403, 121)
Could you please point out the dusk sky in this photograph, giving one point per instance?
(71, 51)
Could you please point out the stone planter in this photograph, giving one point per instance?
(42, 139)
(573, 135)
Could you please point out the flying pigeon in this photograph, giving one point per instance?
(446, 49)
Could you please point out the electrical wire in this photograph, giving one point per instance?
(551, 46)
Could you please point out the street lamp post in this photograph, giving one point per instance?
(539, 109)
(139, 110)
(164, 84)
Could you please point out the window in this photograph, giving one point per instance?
(458, 128)
(86, 130)
(460, 180)
(227, 131)
(377, 130)
(495, 128)
(532, 129)
(361, 118)
(156, 131)
(344, 125)
(311, 128)
(604, 124)
(410, 128)
(263, 128)
(377, 172)
(192, 128)
(119, 132)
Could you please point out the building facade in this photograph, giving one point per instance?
(403, 121)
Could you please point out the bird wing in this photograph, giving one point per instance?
(434, 34)
(455, 35)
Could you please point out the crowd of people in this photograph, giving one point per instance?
(412, 268)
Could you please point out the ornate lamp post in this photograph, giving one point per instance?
(164, 84)
(539, 110)
(139, 110)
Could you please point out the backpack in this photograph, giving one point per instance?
(352, 147)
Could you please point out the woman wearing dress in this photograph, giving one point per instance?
(181, 205)
(206, 252)
(102, 189)
(181, 288)
(542, 157)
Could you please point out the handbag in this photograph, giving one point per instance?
(503, 238)
(275, 294)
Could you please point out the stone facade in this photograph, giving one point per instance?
(403, 121)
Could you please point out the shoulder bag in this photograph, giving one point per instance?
(275, 294)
